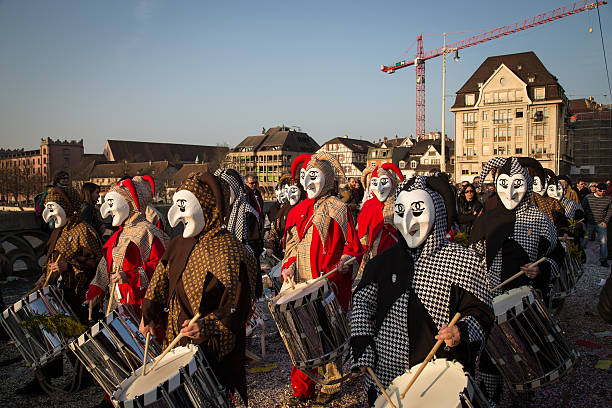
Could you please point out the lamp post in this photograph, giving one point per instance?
(443, 136)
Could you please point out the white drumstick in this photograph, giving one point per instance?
(382, 389)
(146, 351)
(513, 277)
(176, 340)
(348, 262)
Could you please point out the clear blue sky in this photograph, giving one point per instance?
(212, 72)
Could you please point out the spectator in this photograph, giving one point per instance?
(468, 208)
(582, 189)
(598, 210)
(349, 195)
(61, 179)
(90, 192)
(476, 183)
(254, 197)
(569, 192)
(592, 188)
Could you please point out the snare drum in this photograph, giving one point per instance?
(311, 323)
(565, 284)
(37, 346)
(442, 383)
(182, 379)
(525, 344)
(113, 348)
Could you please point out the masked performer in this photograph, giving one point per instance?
(324, 238)
(290, 196)
(206, 270)
(551, 207)
(133, 251)
(73, 252)
(419, 284)
(511, 236)
(375, 221)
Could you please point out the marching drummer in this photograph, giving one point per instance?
(274, 243)
(320, 235)
(511, 237)
(408, 295)
(73, 252)
(206, 270)
(131, 253)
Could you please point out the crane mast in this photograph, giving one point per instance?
(422, 56)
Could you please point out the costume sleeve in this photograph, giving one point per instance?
(156, 297)
(474, 325)
(274, 239)
(549, 247)
(87, 259)
(157, 251)
(362, 326)
(352, 245)
(291, 241)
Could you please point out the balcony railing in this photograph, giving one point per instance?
(468, 141)
(470, 123)
(502, 121)
(502, 101)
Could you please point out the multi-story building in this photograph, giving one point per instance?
(511, 106)
(424, 157)
(134, 151)
(590, 126)
(23, 173)
(269, 155)
(389, 151)
(351, 153)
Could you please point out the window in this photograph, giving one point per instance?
(485, 115)
(465, 171)
(487, 97)
(402, 164)
(538, 131)
(431, 153)
(435, 161)
(413, 164)
(469, 119)
(486, 133)
(519, 150)
(486, 149)
(469, 99)
(518, 131)
(538, 93)
(519, 113)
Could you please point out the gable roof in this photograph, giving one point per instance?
(355, 145)
(524, 65)
(118, 170)
(134, 151)
(181, 175)
(279, 138)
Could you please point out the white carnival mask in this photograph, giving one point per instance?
(381, 187)
(314, 181)
(303, 178)
(511, 190)
(555, 191)
(538, 186)
(282, 196)
(54, 211)
(293, 194)
(414, 216)
(186, 209)
(115, 206)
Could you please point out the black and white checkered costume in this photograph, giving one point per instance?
(534, 233)
(435, 272)
(571, 207)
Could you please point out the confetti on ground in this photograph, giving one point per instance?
(586, 343)
(604, 364)
(263, 368)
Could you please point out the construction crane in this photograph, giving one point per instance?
(422, 56)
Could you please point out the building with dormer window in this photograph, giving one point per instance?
(511, 106)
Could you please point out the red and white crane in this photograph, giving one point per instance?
(422, 56)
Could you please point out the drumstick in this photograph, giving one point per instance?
(348, 262)
(564, 238)
(384, 392)
(274, 256)
(146, 351)
(110, 299)
(90, 308)
(513, 277)
(429, 357)
(176, 340)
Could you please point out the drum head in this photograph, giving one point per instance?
(300, 290)
(438, 385)
(507, 300)
(137, 384)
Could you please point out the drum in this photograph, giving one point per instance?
(311, 323)
(113, 348)
(565, 284)
(182, 379)
(37, 346)
(442, 383)
(525, 344)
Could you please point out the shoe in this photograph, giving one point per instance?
(294, 401)
(605, 264)
(31, 388)
(324, 398)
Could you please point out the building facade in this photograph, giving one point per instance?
(269, 155)
(590, 126)
(23, 173)
(511, 106)
(389, 151)
(351, 153)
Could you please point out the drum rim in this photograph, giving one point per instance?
(563, 369)
(165, 384)
(325, 287)
(326, 358)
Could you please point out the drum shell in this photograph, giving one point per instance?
(313, 327)
(113, 348)
(527, 346)
(194, 385)
(40, 346)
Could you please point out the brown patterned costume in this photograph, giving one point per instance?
(211, 273)
(78, 245)
(277, 227)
